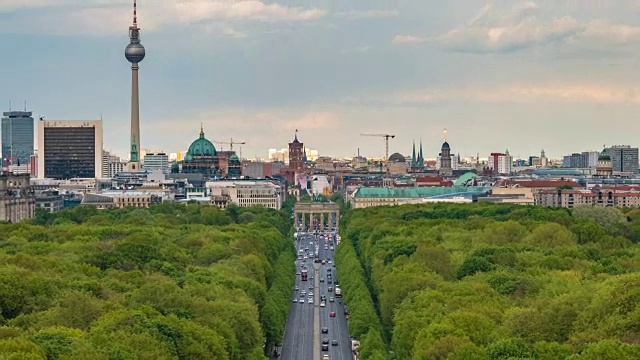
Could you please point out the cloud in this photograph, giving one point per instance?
(370, 14)
(359, 49)
(527, 26)
(409, 39)
(102, 17)
(526, 93)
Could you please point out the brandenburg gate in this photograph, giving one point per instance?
(308, 214)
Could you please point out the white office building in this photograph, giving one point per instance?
(156, 161)
(246, 193)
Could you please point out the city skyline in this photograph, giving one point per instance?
(520, 75)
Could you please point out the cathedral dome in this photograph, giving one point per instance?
(445, 145)
(201, 147)
(604, 156)
(397, 157)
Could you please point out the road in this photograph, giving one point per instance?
(303, 337)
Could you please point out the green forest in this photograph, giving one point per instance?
(487, 281)
(169, 282)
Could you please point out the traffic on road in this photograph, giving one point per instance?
(317, 325)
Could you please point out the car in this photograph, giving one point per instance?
(325, 341)
(324, 262)
(330, 289)
(310, 301)
(297, 288)
(329, 281)
(329, 270)
(331, 248)
(325, 347)
(325, 330)
(322, 304)
(331, 299)
(332, 314)
(334, 342)
(298, 273)
(321, 280)
(325, 357)
(330, 262)
(295, 300)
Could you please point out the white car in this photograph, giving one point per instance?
(295, 300)
(310, 301)
(322, 304)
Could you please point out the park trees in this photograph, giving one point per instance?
(485, 281)
(169, 282)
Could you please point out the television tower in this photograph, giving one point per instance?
(134, 52)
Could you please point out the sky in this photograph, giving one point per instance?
(558, 75)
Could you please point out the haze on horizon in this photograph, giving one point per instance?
(522, 75)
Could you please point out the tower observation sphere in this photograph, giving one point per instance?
(134, 52)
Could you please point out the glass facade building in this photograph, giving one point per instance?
(17, 137)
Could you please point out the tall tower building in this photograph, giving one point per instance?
(69, 149)
(17, 138)
(445, 157)
(296, 154)
(134, 52)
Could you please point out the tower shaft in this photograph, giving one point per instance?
(135, 119)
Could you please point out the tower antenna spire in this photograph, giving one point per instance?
(135, 13)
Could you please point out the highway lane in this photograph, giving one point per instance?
(298, 337)
(337, 326)
(299, 334)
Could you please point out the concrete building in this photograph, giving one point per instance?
(616, 196)
(157, 161)
(246, 193)
(126, 198)
(17, 138)
(69, 149)
(111, 165)
(501, 163)
(17, 198)
(624, 159)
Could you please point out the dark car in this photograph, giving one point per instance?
(332, 314)
(325, 341)
(325, 347)
(325, 330)
(334, 342)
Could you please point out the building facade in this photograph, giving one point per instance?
(246, 193)
(17, 137)
(501, 163)
(624, 159)
(157, 161)
(69, 149)
(17, 198)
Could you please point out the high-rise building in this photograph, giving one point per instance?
(624, 159)
(501, 163)
(69, 149)
(157, 161)
(17, 137)
(134, 53)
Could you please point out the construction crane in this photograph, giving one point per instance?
(231, 143)
(386, 142)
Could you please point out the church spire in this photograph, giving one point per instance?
(413, 154)
(201, 131)
(420, 156)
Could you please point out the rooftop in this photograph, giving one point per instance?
(416, 192)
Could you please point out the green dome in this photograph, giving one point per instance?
(234, 157)
(201, 147)
(604, 156)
